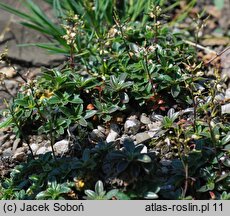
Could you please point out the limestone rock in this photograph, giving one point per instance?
(61, 147)
(225, 108)
(7, 153)
(132, 126)
(142, 137)
(145, 119)
(43, 150)
(34, 147)
(98, 134)
(7, 144)
(113, 133)
(3, 139)
(20, 154)
(15, 144)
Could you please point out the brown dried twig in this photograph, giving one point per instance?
(217, 55)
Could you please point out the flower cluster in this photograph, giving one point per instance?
(155, 12)
(72, 28)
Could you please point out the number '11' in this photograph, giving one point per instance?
(218, 207)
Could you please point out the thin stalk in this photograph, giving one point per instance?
(122, 35)
(217, 55)
(156, 35)
(148, 73)
(52, 139)
(20, 131)
(185, 164)
(71, 58)
(213, 92)
(194, 113)
(18, 73)
(194, 102)
(156, 29)
(214, 142)
(186, 179)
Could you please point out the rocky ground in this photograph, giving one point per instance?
(138, 126)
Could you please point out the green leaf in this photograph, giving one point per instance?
(144, 158)
(21, 102)
(77, 100)
(171, 112)
(121, 196)
(90, 113)
(175, 90)
(226, 162)
(107, 118)
(82, 122)
(6, 123)
(112, 109)
(209, 186)
(226, 139)
(90, 194)
(111, 194)
(99, 188)
(55, 100)
(86, 155)
(122, 166)
(41, 195)
(64, 189)
(129, 146)
(150, 195)
(227, 147)
(224, 176)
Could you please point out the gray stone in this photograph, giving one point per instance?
(43, 150)
(227, 94)
(155, 126)
(12, 86)
(123, 138)
(34, 147)
(132, 126)
(7, 152)
(101, 129)
(113, 133)
(225, 108)
(134, 116)
(15, 144)
(144, 119)
(142, 137)
(16, 34)
(220, 97)
(20, 154)
(98, 134)
(7, 144)
(151, 133)
(225, 64)
(3, 139)
(12, 137)
(61, 147)
(46, 143)
(39, 139)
